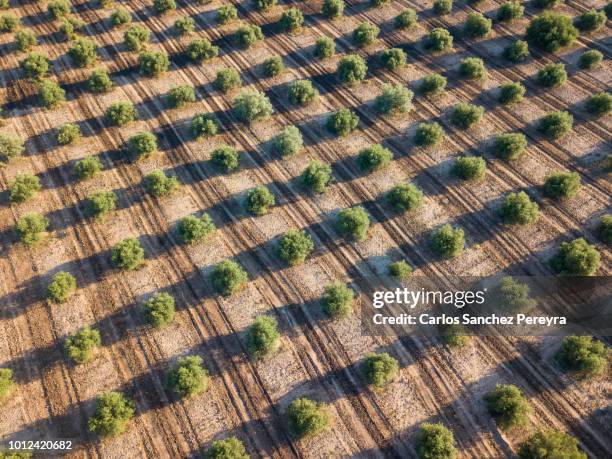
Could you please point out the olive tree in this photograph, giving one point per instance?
(262, 338)
(25, 40)
(164, 6)
(562, 185)
(353, 223)
(87, 167)
(433, 84)
(273, 66)
(394, 99)
(583, 355)
(120, 16)
(508, 405)
(160, 185)
(447, 241)
(226, 14)
(127, 254)
(251, 105)
(302, 92)
(121, 113)
(113, 411)
(406, 19)
(61, 288)
(159, 309)
(316, 177)
(400, 270)
(472, 68)
(306, 417)
(591, 20)
(465, 116)
(517, 51)
(50, 94)
(550, 443)
(179, 96)
(337, 300)
(11, 147)
(291, 20)
(435, 441)
(342, 122)
(264, 5)
(428, 134)
(599, 104)
(442, 7)
(295, 246)
(325, 47)
(228, 448)
(6, 382)
(83, 52)
(576, 258)
(35, 65)
(201, 49)
(58, 8)
(404, 197)
(136, 37)
(379, 369)
(100, 203)
(511, 93)
(510, 146)
(192, 229)
(393, 58)
(228, 277)
(259, 200)
(512, 296)
(590, 59)
(510, 11)
(552, 75)
(351, 69)
(439, 40)
(81, 345)
(68, 133)
(227, 79)
(332, 8)
(204, 125)
(24, 187)
(365, 34)
(70, 26)
(248, 35)
(476, 25)
(30, 227)
(153, 63)
(184, 25)
(555, 125)
(142, 145)
(604, 229)
(288, 142)
(9, 22)
(373, 158)
(551, 32)
(99, 81)
(226, 158)
(470, 167)
(187, 378)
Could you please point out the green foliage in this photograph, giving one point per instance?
(288, 142)
(512, 296)
(373, 158)
(352, 68)
(229, 448)
(333, 8)
(142, 145)
(404, 197)
(393, 58)
(35, 65)
(188, 377)
(112, 413)
(80, 346)
(58, 8)
(551, 444)
(591, 21)
(121, 113)
(439, 40)
(434, 441)
(465, 115)
(153, 63)
(259, 200)
(453, 335)
(406, 19)
(25, 40)
(608, 10)
(447, 241)
(400, 269)
(4, 4)
(353, 223)
(184, 25)
(316, 177)
(511, 93)
(50, 94)
(273, 66)
(228, 277)
(61, 287)
(510, 146)
(517, 51)
(302, 92)
(476, 25)
(106, 3)
(442, 7)
(556, 124)
(551, 32)
(83, 52)
(120, 17)
(295, 246)
(583, 355)
(6, 382)
(226, 13)
(428, 134)
(11, 146)
(394, 99)
(552, 75)
(562, 185)
(252, 105)
(136, 37)
(248, 35)
(291, 20)
(325, 47)
(337, 300)
(9, 22)
(204, 125)
(264, 5)
(342, 122)
(365, 34)
(164, 6)
(159, 309)
(70, 26)
(68, 133)
(201, 49)
(30, 226)
(470, 167)
(306, 417)
(604, 229)
(379, 369)
(472, 68)
(508, 406)
(192, 229)
(377, 3)
(576, 258)
(590, 59)
(599, 104)
(433, 84)
(178, 96)
(100, 204)
(24, 187)
(262, 338)
(128, 254)
(99, 81)
(510, 11)
(159, 184)
(225, 157)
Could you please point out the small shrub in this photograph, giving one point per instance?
(252, 105)
(87, 167)
(342, 122)
(259, 200)
(551, 444)
(510, 146)
(583, 355)
(153, 63)
(164, 6)
(591, 21)
(352, 68)
(262, 338)
(226, 14)
(556, 124)
(551, 32)
(50, 94)
(576, 258)
(192, 229)
(11, 146)
(307, 418)
(273, 66)
(100, 204)
(316, 177)
(184, 25)
(439, 40)
(476, 25)
(99, 81)
(447, 241)
(365, 34)
(291, 20)
(337, 300)
(25, 40)
(159, 184)
(511, 93)
(379, 369)
(9, 23)
(264, 5)
(442, 7)
(435, 441)
(302, 92)
(393, 58)
(68, 133)
(400, 270)
(188, 377)
(30, 228)
(121, 113)
(228, 277)
(201, 49)
(228, 448)
(80, 346)
(510, 11)
(288, 142)
(204, 125)
(465, 116)
(428, 134)
(508, 406)
(24, 187)
(472, 68)
(406, 19)
(394, 99)
(58, 8)
(470, 167)
(225, 157)
(433, 84)
(552, 75)
(112, 413)
(248, 35)
(61, 287)
(512, 296)
(142, 145)
(604, 229)
(159, 309)
(83, 52)
(120, 17)
(179, 96)
(6, 384)
(599, 104)
(35, 65)
(517, 51)
(353, 223)
(590, 59)
(295, 246)
(325, 47)
(333, 8)
(136, 37)
(404, 197)
(128, 254)
(70, 26)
